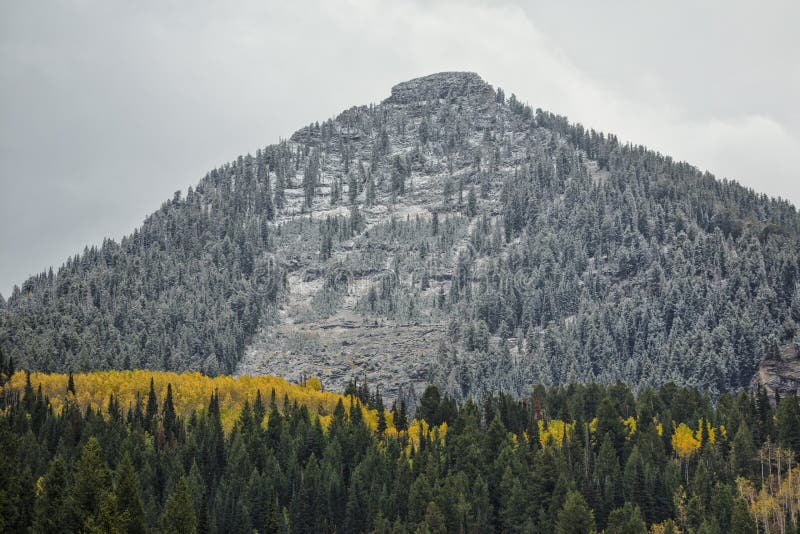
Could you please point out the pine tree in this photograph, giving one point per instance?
(49, 510)
(381, 429)
(168, 415)
(741, 520)
(434, 522)
(472, 202)
(305, 503)
(788, 423)
(423, 132)
(91, 480)
(608, 476)
(259, 410)
(743, 451)
(575, 517)
(129, 500)
(429, 405)
(179, 515)
(370, 190)
(352, 188)
(151, 411)
(626, 520)
(514, 502)
(108, 520)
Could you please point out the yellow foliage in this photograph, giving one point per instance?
(419, 428)
(190, 391)
(314, 384)
(593, 426)
(711, 433)
(683, 441)
(325, 422)
(779, 494)
(661, 528)
(556, 430)
(630, 425)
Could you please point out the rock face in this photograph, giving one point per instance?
(443, 85)
(392, 348)
(781, 374)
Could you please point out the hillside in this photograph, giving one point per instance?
(578, 459)
(448, 234)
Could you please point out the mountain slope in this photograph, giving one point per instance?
(446, 234)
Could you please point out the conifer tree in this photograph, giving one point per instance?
(129, 500)
(741, 520)
(168, 415)
(626, 520)
(91, 481)
(49, 511)
(381, 429)
(179, 516)
(788, 423)
(575, 517)
(151, 411)
(71, 384)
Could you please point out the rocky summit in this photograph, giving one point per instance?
(448, 234)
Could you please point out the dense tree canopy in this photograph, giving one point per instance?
(497, 466)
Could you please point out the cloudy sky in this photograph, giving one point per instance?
(107, 108)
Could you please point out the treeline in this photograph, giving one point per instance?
(564, 459)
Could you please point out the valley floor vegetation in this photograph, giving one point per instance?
(187, 453)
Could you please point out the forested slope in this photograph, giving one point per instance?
(575, 459)
(448, 234)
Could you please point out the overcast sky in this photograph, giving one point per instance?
(107, 108)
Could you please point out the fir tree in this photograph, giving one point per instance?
(129, 500)
(575, 516)
(179, 515)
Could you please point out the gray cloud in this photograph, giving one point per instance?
(106, 108)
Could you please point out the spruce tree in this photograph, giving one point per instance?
(91, 481)
(49, 510)
(168, 415)
(788, 423)
(151, 411)
(179, 516)
(129, 500)
(575, 517)
(741, 520)
(626, 520)
(71, 384)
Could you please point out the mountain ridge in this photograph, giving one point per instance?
(445, 234)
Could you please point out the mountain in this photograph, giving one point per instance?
(448, 234)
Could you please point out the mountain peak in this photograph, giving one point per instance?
(440, 236)
(439, 85)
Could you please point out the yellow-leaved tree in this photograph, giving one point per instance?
(685, 445)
